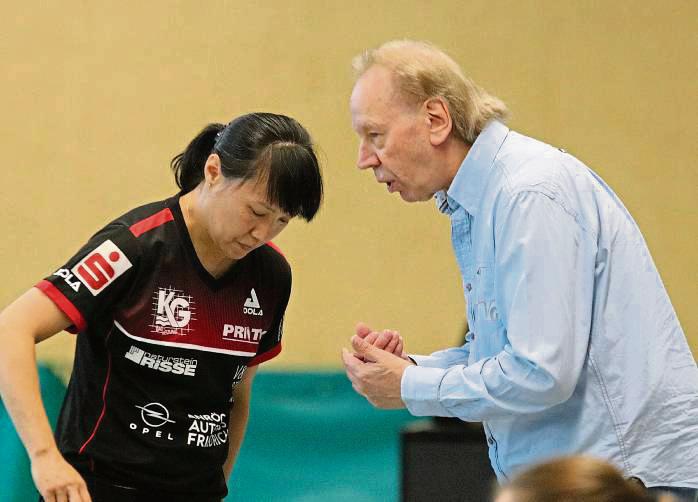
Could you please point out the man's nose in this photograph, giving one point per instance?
(367, 157)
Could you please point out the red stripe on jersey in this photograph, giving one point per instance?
(276, 248)
(104, 402)
(64, 304)
(151, 222)
(269, 354)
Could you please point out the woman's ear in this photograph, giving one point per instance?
(212, 169)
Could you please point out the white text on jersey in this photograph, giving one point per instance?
(174, 365)
(242, 333)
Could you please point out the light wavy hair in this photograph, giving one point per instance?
(422, 71)
(577, 478)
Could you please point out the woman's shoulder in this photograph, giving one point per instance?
(272, 258)
(142, 218)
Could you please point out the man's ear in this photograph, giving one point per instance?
(440, 122)
(212, 169)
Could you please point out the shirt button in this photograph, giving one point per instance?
(468, 287)
(490, 441)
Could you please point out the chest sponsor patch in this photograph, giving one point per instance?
(242, 333)
(174, 365)
(155, 418)
(101, 267)
(205, 431)
(173, 310)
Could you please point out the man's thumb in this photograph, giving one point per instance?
(363, 348)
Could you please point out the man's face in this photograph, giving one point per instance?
(394, 137)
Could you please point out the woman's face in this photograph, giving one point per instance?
(238, 216)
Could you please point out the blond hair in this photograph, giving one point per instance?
(577, 479)
(423, 71)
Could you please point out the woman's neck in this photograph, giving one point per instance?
(210, 255)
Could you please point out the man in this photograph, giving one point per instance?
(574, 346)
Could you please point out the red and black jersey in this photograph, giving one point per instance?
(161, 346)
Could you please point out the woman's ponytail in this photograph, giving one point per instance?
(188, 166)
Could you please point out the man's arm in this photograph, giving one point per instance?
(390, 341)
(31, 318)
(238, 418)
(543, 269)
(444, 358)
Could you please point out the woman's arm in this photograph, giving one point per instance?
(31, 318)
(238, 418)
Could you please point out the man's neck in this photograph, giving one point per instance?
(456, 151)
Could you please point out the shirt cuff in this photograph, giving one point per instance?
(426, 361)
(419, 389)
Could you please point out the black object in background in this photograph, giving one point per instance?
(445, 460)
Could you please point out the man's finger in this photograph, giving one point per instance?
(382, 340)
(350, 360)
(400, 347)
(392, 343)
(362, 329)
(365, 349)
(372, 337)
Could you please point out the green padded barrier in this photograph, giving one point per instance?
(17, 485)
(310, 438)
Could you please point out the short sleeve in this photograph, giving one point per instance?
(270, 346)
(96, 277)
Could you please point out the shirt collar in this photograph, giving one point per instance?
(469, 183)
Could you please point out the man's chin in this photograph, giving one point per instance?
(413, 197)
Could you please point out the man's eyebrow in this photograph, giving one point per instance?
(369, 124)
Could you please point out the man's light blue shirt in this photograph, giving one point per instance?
(574, 346)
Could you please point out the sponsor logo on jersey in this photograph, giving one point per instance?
(242, 333)
(174, 365)
(237, 377)
(172, 312)
(207, 430)
(101, 267)
(153, 415)
(69, 279)
(252, 306)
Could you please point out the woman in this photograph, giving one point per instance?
(575, 479)
(175, 304)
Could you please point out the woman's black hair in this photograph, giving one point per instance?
(265, 146)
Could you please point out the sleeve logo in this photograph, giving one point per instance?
(101, 267)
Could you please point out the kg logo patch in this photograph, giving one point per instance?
(172, 312)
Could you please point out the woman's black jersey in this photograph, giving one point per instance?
(161, 345)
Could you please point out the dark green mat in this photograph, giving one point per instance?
(17, 485)
(310, 438)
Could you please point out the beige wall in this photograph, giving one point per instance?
(95, 101)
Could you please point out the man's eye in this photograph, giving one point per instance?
(259, 215)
